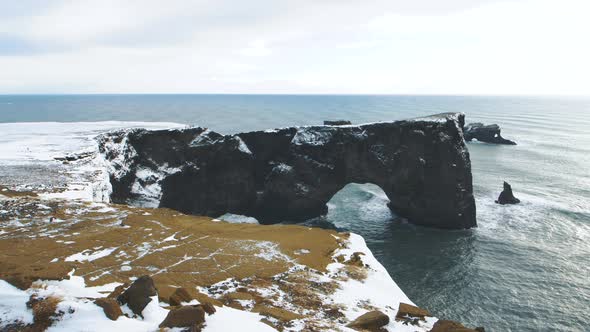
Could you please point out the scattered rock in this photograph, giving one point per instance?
(371, 321)
(118, 291)
(203, 298)
(337, 123)
(180, 295)
(208, 308)
(407, 310)
(334, 313)
(356, 260)
(277, 313)
(452, 326)
(240, 296)
(192, 316)
(74, 157)
(506, 196)
(110, 307)
(483, 133)
(137, 296)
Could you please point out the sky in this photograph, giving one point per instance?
(465, 47)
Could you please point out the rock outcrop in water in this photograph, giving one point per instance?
(487, 134)
(506, 196)
(337, 122)
(290, 174)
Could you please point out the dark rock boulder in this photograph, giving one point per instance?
(487, 134)
(110, 307)
(406, 311)
(337, 123)
(74, 157)
(180, 295)
(370, 321)
(208, 308)
(290, 174)
(506, 196)
(185, 316)
(139, 294)
(452, 326)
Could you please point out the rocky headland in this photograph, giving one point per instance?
(290, 174)
(71, 258)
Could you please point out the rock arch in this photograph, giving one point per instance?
(290, 174)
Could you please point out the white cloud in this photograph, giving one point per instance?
(308, 46)
(256, 48)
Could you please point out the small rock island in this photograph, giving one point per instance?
(488, 134)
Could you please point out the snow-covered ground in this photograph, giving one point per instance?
(81, 314)
(377, 290)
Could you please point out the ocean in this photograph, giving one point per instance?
(524, 268)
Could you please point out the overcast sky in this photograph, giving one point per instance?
(302, 46)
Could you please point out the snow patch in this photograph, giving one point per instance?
(228, 319)
(313, 136)
(147, 184)
(242, 145)
(89, 256)
(203, 139)
(237, 219)
(13, 306)
(282, 168)
(302, 252)
(269, 251)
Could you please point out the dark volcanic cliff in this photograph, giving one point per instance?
(290, 174)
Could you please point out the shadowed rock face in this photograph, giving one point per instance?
(506, 196)
(290, 174)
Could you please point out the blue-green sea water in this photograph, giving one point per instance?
(525, 268)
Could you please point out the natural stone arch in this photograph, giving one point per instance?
(290, 174)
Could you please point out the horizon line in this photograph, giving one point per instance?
(295, 94)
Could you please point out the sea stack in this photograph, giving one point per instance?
(506, 196)
(488, 134)
(290, 174)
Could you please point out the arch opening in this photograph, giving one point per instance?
(359, 206)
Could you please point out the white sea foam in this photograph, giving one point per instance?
(24, 142)
(39, 143)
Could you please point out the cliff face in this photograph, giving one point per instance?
(290, 174)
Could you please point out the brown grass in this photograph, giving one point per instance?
(44, 312)
(202, 253)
